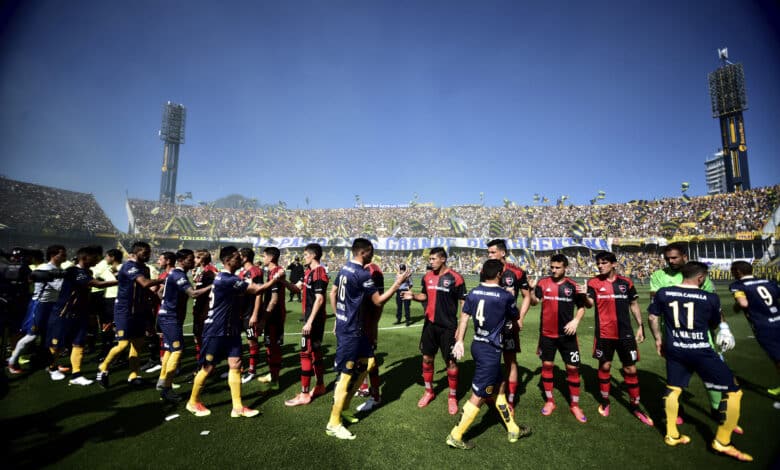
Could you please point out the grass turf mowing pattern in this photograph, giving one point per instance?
(51, 424)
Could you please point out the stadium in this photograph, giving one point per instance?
(294, 111)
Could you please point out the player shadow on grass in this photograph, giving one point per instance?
(37, 440)
(395, 376)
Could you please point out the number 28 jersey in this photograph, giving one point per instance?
(490, 306)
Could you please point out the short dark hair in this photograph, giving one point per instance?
(54, 250)
(437, 250)
(182, 254)
(691, 269)
(247, 253)
(742, 267)
(91, 250)
(205, 254)
(559, 258)
(274, 252)
(499, 243)
(313, 248)
(606, 255)
(170, 257)
(676, 246)
(361, 244)
(114, 253)
(227, 252)
(491, 269)
(139, 246)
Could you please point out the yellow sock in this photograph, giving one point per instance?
(164, 365)
(136, 344)
(733, 404)
(113, 353)
(339, 396)
(672, 407)
(76, 355)
(197, 385)
(173, 363)
(354, 385)
(234, 382)
(503, 411)
(470, 413)
(371, 364)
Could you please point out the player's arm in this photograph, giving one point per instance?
(571, 327)
(255, 289)
(319, 300)
(458, 350)
(590, 296)
(533, 294)
(147, 283)
(637, 312)
(100, 283)
(192, 293)
(740, 299)
(380, 299)
(655, 329)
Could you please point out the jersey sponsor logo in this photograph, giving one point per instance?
(132, 270)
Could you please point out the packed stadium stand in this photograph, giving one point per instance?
(727, 214)
(34, 215)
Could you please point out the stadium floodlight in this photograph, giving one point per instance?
(727, 90)
(172, 133)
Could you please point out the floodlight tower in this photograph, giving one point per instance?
(727, 92)
(172, 133)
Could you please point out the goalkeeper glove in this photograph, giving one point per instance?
(725, 339)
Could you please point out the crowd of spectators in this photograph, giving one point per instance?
(706, 215)
(42, 209)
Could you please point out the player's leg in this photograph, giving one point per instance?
(677, 377)
(234, 381)
(346, 358)
(604, 352)
(570, 352)
(716, 374)
(133, 359)
(447, 341)
(318, 363)
(470, 412)
(429, 344)
(546, 351)
(511, 347)
(55, 338)
(307, 372)
(78, 336)
(254, 350)
(208, 360)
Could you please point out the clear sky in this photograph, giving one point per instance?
(329, 99)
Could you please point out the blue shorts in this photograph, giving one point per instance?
(217, 348)
(37, 318)
(63, 332)
(349, 351)
(129, 327)
(769, 340)
(487, 369)
(715, 374)
(173, 334)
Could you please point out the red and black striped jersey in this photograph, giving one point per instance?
(254, 275)
(445, 291)
(612, 302)
(315, 281)
(559, 301)
(513, 276)
(277, 288)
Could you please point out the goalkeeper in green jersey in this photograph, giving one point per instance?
(676, 255)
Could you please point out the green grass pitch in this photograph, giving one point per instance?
(49, 424)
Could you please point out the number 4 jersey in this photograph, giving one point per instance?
(490, 306)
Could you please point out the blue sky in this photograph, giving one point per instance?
(328, 99)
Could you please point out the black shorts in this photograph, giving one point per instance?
(437, 338)
(604, 350)
(252, 332)
(314, 340)
(510, 337)
(567, 345)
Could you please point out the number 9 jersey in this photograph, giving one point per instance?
(490, 306)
